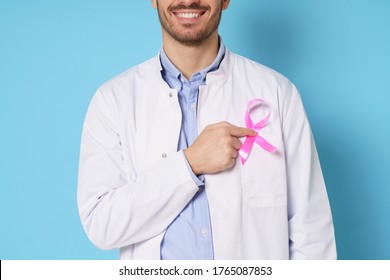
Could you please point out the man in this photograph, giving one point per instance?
(202, 154)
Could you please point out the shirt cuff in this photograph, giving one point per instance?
(197, 179)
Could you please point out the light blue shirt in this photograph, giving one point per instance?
(189, 236)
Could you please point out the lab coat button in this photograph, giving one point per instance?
(164, 155)
(170, 94)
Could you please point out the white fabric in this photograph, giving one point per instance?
(133, 182)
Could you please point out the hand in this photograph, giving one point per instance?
(216, 148)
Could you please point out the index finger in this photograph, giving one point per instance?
(238, 131)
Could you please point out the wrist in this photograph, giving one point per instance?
(191, 161)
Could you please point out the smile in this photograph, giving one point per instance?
(188, 15)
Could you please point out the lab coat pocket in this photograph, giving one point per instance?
(264, 176)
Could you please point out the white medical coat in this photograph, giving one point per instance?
(133, 182)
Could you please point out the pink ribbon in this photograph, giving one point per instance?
(250, 140)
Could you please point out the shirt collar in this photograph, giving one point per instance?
(169, 69)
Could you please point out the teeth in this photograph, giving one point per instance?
(188, 15)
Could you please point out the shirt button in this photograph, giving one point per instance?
(204, 232)
(193, 106)
(164, 155)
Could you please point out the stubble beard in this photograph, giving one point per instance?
(189, 38)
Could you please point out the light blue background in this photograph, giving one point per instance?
(54, 54)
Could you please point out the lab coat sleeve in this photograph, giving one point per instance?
(310, 220)
(117, 206)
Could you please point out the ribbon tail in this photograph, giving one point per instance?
(246, 148)
(265, 145)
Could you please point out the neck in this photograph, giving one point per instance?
(191, 59)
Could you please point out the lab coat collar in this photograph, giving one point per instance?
(218, 76)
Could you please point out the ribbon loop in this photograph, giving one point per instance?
(250, 140)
